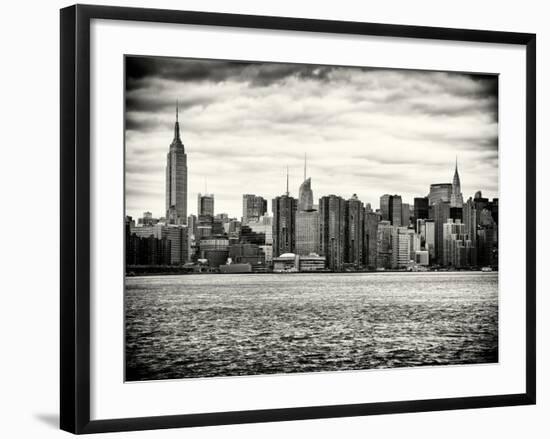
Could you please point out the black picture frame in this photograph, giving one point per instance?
(75, 217)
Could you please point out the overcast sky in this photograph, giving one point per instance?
(365, 131)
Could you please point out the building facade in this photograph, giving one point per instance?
(441, 213)
(332, 231)
(401, 247)
(205, 205)
(307, 232)
(421, 208)
(384, 245)
(307, 221)
(440, 192)
(371, 238)
(284, 224)
(391, 209)
(176, 179)
(215, 250)
(254, 207)
(355, 229)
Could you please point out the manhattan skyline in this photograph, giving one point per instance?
(365, 131)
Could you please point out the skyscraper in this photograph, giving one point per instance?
(421, 208)
(405, 214)
(332, 228)
(254, 207)
(426, 229)
(305, 194)
(456, 244)
(385, 207)
(401, 247)
(456, 193)
(396, 210)
(371, 238)
(471, 220)
(355, 229)
(384, 245)
(176, 179)
(440, 192)
(307, 220)
(391, 209)
(442, 212)
(205, 205)
(284, 222)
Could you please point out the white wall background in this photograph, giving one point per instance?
(29, 186)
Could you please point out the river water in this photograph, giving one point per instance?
(223, 324)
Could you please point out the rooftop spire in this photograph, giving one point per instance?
(287, 192)
(177, 137)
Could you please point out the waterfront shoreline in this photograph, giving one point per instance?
(126, 275)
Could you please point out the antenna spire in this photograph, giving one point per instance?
(177, 137)
(287, 192)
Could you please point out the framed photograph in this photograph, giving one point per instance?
(268, 218)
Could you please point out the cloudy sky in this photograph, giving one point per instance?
(365, 131)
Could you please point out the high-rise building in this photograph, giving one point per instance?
(371, 238)
(305, 194)
(426, 229)
(205, 205)
(284, 222)
(396, 210)
(265, 225)
(332, 228)
(456, 193)
(421, 208)
(487, 251)
(384, 245)
(177, 236)
(456, 244)
(385, 207)
(192, 236)
(355, 229)
(307, 232)
(405, 214)
(254, 207)
(440, 192)
(494, 209)
(442, 212)
(391, 209)
(471, 221)
(176, 179)
(401, 247)
(307, 220)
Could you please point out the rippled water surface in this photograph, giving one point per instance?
(220, 325)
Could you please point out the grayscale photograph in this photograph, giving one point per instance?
(296, 218)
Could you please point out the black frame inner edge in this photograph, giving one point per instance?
(75, 217)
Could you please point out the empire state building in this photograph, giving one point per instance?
(176, 179)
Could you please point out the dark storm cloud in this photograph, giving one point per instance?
(140, 69)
